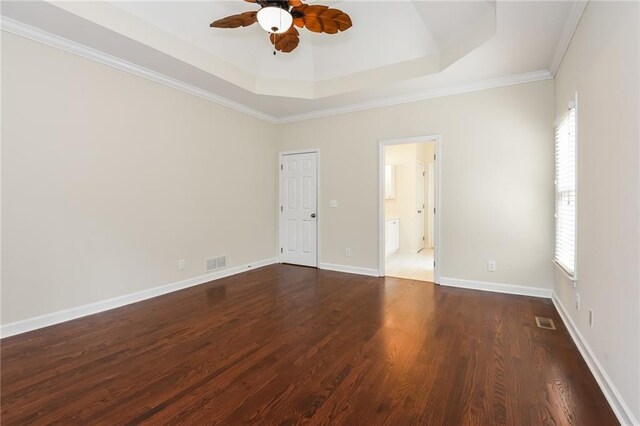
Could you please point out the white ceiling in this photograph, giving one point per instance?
(384, 33)
(395, 49)
(367, 45)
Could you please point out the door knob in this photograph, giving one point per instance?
(313, 215)
(419, 211)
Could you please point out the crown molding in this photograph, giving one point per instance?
(41, 36)
(44, 37)
(420, 96)
(570, 26)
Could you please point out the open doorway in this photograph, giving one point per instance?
(408, 210)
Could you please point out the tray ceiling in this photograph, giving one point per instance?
(384, 33)
(396, 49)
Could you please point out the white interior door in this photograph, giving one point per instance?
(431, 205)
(298, 209)
(420, 188)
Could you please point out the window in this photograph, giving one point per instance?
(566, 196)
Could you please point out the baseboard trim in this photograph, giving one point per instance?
(617, 403)
(349, 269)
(497, 287)
(53, 318)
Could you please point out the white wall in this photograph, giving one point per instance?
(601, 65)
(497, 184)
(108, 179)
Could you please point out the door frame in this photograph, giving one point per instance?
(424, 204)
(432, 238)
(282, 154)
(438, 197)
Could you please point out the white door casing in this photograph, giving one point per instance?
(298, 209)
(431, 204)
(420, 205)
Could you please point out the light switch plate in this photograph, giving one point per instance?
(333, 204)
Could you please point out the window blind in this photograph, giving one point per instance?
(566, 197)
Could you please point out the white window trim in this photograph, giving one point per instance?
(567, 274)
(573, 277)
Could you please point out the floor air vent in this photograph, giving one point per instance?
(545, 323)
(216, 263)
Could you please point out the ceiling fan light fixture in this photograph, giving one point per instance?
(274, 19)
(277, 18)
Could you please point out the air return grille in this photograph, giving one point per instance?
(547, 323)
(216, 263)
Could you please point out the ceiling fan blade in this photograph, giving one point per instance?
(298, 22)
(286, 41)
(234, 21)
(321, 19)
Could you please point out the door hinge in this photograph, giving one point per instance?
(281, 250)
(281, 167)
(434, 210)
(423, 238)
(281, 208)
(434, 156)
(434, 263)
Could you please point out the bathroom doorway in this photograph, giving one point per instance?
(408, 211)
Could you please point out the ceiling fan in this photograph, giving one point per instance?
(280, 17)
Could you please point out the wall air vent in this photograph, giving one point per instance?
(216, 263)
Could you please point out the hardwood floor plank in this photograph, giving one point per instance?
(288, 345)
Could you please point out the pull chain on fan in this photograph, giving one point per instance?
(274, 50)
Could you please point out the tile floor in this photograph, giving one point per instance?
(417, 266)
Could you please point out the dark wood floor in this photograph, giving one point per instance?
(285, 344)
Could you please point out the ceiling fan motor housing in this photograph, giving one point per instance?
(283, 4)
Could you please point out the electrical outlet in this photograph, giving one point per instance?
(348, 252)
(577, 301)
(590, 317)
(182, 264)
(491, 265)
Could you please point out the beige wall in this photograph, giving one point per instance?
(601, 65)
(497, 184)
(142, 177)
(108, 179)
